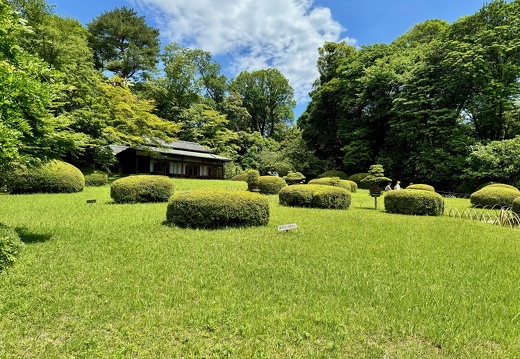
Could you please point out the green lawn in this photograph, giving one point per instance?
(112, 281)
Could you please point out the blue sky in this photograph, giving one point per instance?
(248, 35)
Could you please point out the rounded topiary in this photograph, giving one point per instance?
(294, 178)
(10, 246)
(416, 202)
(357, 177)
(252, 179)
(501, 185)
(332, 181)
(494, 196)
(217, 208)
(51, 177)
(516, 206)
(96, 178)
(334, 173)
(315, 196)
(270, 184)
(240, 177)
(424, 187)
(141, 189)
(353, 185)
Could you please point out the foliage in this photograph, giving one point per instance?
(123, 43)
(376, 176)
(502, 185)
(315, 196)
(141, 189)
(414, 202)
(332, 181)
(424, 187)
(353, 185)
(95, 177)
(516, 206)
(270, 184)
(252, 179)
(51, 177)
(334, 173)
(494, 196)
(217, 208)
(10, 246)
(294, 177)
(240, 177)
(357, 178)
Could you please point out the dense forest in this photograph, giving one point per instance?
(439, 105)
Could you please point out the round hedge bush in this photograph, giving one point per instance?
(270, 184)
(357, 177)
(516, 206)
(10, 246)
(141, 189)
(494, 196)
(217, 208)
(315, 196)
(96, 178)
(415, 202)
(334, 173)
(332, 181)
(424, 187)
(52, 177)
(240, 177)
(501, 185)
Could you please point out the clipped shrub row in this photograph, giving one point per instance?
(358, 177)
(415, 202)
(141, 189)
(424, 187)
(10, 246)
(336, 182)
(51, 177)
(270, 184)
(96, 178)
(494, 195)
(334, 173)
(315, 196)
(217, 208)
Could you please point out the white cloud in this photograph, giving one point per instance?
(254, 34)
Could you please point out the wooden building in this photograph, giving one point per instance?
(174, 159)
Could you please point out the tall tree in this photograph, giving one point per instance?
(269, 99)
(123, 43)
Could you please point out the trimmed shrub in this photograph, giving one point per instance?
(501, 185)
(315, 196)
(357, 178)
(516, 206)
(424, 187)
(332, 181)
(334, 173)
(96, 178)
(141, 189)
(240, 177)
(271, 184)
(494, 196)
(10, 246)
(217, 208)
(415, 202)
(294, 178)
(52, 177)
(353, 186)
(252, 179)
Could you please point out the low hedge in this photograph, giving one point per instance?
(357, 177)
(315, 196)
(217, 208)
(10, 246)
(494, 196)
(516, 206)
(52, 177)
(424, 187)
(334, 173)
(414, 202)
(141, 189)
(270, 184)
(96, 178)
(333, 181)
(240, 177)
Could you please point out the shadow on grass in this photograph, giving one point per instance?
(29, 237)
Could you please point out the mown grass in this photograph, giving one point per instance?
(112, 281)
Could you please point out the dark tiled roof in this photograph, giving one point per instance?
(180, 145)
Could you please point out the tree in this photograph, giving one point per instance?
(123, 43)
(268, 98)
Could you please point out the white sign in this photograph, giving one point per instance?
(286, 227)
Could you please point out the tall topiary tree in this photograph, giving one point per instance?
(376, 176)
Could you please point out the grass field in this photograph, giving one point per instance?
(112, 281)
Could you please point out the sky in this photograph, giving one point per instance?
(249, 35)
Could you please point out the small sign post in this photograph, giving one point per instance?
(287, 227)
(91, 201)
